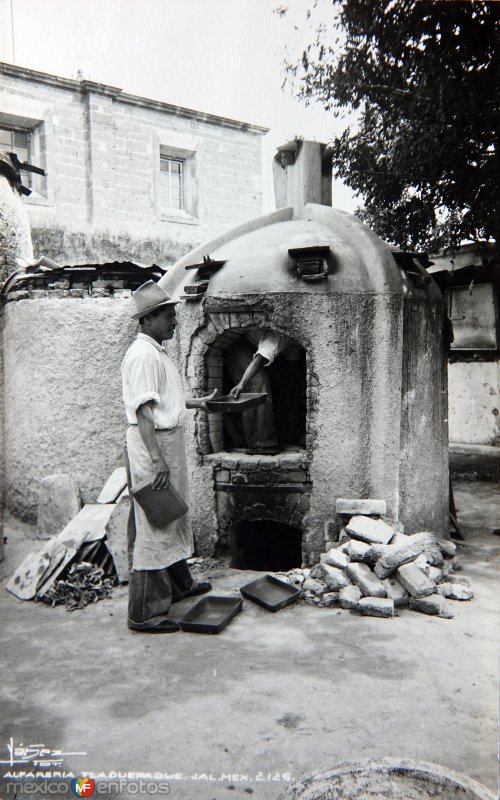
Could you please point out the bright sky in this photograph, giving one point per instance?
(220, 56)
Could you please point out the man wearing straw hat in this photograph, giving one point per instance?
(156, 412)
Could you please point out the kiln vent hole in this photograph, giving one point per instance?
(282, 420)
(265, 545)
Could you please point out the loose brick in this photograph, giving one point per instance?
(434, 604)
(430, 549)
(447, 547)
(374, 552)
(358, 550)
(435, 574)
(349, 597)
(455, 591)
(376, 606)
(315, 587)
(362, 576)
(355, 506)
(335, 558)
(395, 556)
(369, 530)
(334, 578)
(422, 563)
(330, 599)
(396, 591)
(415, 581)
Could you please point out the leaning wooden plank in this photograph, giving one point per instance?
(114, 486)
(116, 539)
(88, 525)
(38, 568)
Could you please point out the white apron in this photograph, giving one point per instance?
(159, 548)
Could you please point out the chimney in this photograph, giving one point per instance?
(302, 173)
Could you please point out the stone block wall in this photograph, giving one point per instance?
(101, 150)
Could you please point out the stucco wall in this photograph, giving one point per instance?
(63, 407)
(366, 437)
(474, 402)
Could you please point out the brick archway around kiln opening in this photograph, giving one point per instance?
(204, 368)
(283, 509)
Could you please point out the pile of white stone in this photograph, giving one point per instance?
(375, 568)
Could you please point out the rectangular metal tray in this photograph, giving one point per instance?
(211, 615)
(270, 592)
(245, 400)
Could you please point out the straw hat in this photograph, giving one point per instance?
(148, 297)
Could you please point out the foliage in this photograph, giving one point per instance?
(423, 81)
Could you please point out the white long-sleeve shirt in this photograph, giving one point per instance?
(148, 373)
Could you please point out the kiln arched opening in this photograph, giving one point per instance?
(278, 424)
(265, 545)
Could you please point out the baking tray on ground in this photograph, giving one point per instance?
(229, 403)
(211, 615)
(270, 592)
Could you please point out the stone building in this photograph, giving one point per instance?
(128, 178)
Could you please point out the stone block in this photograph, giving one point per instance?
(374, 552)
(362, 576)
(349, 597)
(395, 556)
(334, 578)
(433, 604)
(422, 563)
(330, 599)
(415, 581)
(369, 530)
(455, 591)
(355, 506)
(447, 547)
(317, 572)
(335, 558)
(396, 591)
(313, 586)
(430, 547)
(376, 606)
(58, 502)
(114, 486)
(357, 550)
(435, 574)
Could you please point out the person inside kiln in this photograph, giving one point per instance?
(266, 361)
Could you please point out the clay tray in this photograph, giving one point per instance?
(244, 401)
(211, 615)
(270, 592)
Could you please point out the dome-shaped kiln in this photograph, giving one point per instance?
(369, 323)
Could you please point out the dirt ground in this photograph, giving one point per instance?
(271, 698)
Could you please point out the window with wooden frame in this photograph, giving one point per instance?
(172, 186)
